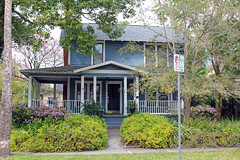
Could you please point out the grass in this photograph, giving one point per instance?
(201, 155)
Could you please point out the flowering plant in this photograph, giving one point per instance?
(203, 111)
(24, 115)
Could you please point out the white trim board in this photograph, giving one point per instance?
(109, 71)
(107, 63)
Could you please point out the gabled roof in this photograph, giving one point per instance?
(137, 33)
(107, 63)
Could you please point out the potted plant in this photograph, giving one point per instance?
(132, 107)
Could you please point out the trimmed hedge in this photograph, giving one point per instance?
(75, 133)
(146, 130)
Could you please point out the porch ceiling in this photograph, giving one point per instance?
(58, 80)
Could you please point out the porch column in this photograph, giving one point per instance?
(68, 94)
(34, 91)
(134, 90)
(137, 92)
(125, 96)
(95, 88)
(82, 89)
(29, 91)
(68, 88)
(54, 95)
(54, 91)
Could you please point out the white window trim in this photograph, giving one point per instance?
(103, 42)
(106, 102)
(88, 88)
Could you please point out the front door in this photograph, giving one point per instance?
(114, 98)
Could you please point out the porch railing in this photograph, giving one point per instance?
(150, 106)
(70, 105)
(157, 106)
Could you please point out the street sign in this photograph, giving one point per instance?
(179, 67)
(178, 63)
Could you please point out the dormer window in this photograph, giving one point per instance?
(98, 56)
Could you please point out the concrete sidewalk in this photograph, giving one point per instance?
(115, 146)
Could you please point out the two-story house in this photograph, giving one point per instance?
(106, 76)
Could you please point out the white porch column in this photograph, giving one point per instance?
(29, 92)
(82, 89)
(125, 95)
(134, 91)
(34, 91)
(137, 92)
(54, 95)
(68, 94)
(95, 88)
(68, 88)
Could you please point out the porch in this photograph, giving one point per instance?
(107, 83)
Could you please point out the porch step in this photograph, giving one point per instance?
(114, 121)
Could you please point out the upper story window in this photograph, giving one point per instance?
(155, 53)
(98, 56)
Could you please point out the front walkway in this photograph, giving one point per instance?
(115, 146)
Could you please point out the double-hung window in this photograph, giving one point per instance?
(156, 53)
(98, 53)
(88, 91)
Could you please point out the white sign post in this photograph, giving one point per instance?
(179, 67)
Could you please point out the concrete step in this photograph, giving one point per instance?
(114, 121)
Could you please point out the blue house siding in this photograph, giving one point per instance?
(111, 49)
(77, 59)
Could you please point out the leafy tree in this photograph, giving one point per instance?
(39, 16)
(6, 105)
(207, 28)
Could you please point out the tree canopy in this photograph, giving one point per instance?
(39, 16)
(210, 30)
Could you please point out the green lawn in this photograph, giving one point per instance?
(211, 155)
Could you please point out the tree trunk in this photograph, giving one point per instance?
(235, 105)
(6, 107)
(218, 107)
(187, 107)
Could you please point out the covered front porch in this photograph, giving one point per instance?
(107, 83)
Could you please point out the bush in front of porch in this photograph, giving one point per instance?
(75, 133)
(23, 115)
(146, 130)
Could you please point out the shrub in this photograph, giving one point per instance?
(19, 114)
(146, 130)
(201, 132)
(93, 108)
(26, 115)
(201, 111)
(75, 133)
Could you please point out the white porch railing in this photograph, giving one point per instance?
(150, 106)
(157, 106)
(70, 105)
